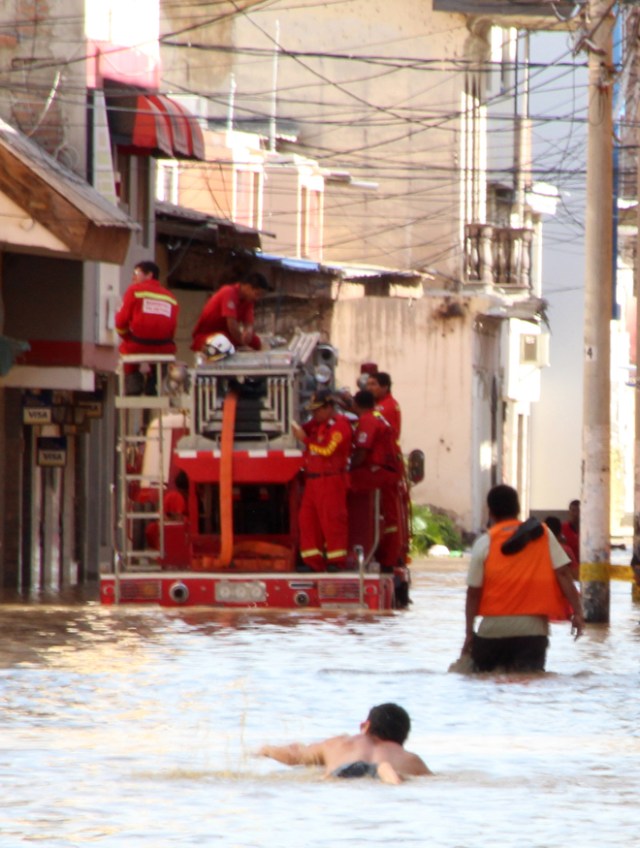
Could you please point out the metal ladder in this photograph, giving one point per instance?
(135, 415)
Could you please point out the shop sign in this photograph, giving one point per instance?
(38, 407)
(51, 451)
(91, 403)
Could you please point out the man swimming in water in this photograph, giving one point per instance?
(377, 751)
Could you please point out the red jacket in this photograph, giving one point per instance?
(390, 409)
(225, 303)
(328, 445)
(375, 435)
(572, 539)
(147, 318)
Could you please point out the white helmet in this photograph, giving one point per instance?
(217, 347)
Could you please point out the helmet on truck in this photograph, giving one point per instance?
(217, 347)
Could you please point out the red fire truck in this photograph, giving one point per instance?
(209, 487)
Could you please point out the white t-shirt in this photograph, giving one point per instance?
(501, 626)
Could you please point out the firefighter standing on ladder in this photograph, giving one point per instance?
(324, 529)
(146, 323)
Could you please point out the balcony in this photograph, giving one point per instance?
(497, 256)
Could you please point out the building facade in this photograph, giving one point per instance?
(404, 117)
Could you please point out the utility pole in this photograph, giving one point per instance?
(636, 286)
(596, 434)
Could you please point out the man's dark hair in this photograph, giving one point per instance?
(574, 503)
(382, 379)
(257, 281)
(364, 399)
(148, 267)
(389, 722)
(554, 524)
(181, 481)
(503, 502)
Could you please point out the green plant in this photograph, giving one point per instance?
(430, 527)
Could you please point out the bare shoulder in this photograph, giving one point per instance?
(415, 765)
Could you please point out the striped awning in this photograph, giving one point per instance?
(149, 124)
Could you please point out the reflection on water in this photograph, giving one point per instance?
(124, 727)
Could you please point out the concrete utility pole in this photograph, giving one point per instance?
(596, 435)
(636, 468)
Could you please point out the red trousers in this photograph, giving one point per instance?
(389, 550)
(324, 528)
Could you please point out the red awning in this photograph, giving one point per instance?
(149, 124)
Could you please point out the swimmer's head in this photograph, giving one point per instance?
(389, 722)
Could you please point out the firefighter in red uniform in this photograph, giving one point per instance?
(376, 464)
(146, 321)
(324, 531)
(379, 384)
(230, 311)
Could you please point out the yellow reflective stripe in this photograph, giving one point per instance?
(336, 554)
(615, 572)
(335, 440)
(390, 529)
(594, 571)
(156, 296)
(311, 552)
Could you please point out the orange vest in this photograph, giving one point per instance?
(523, 583)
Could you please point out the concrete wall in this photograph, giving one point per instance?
(429, 358)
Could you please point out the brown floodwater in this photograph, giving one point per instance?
(135, 727)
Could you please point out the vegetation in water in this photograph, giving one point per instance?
(431, 527)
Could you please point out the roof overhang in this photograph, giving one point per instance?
(200, 247)
(180, 221)
(43, 377)
(51, 210)
(372, 274)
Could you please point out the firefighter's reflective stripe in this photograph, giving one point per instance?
(327, 450)
(336, 554)
(152, 295)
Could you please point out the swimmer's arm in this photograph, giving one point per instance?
(294, 754)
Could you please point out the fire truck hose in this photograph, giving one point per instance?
(226, 478)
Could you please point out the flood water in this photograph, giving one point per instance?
(130, 727)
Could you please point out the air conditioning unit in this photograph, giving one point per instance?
(534, 349)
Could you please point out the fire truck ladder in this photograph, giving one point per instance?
(135, 414)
